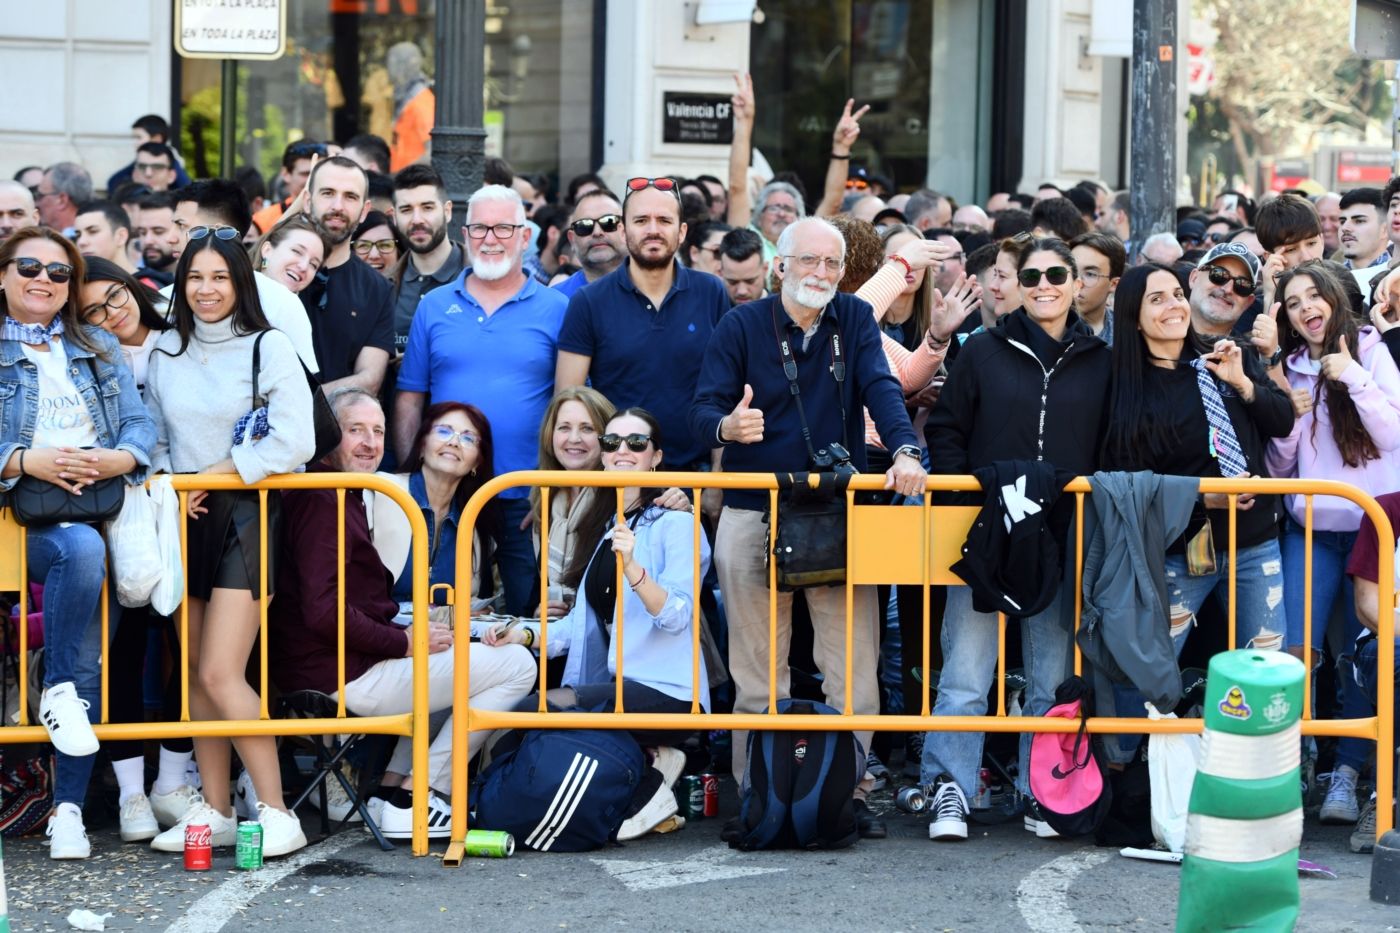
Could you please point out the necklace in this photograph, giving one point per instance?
(1163, 359)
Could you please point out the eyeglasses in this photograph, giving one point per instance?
(810, 263)
(1219, 275)
(608, 223)
(445, 434)
(59, 272)
(150, 168)
(784, 209)
(502, 231)
(1090, 276)
(221, 231)
(1055, 275)
(116, 298)
(635, 442)
(1219, 236)
(363, 247)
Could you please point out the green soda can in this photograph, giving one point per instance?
(247, 852)
(489, 843)
(690, 797)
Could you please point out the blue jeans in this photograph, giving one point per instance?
(969, 640)
(71, 561)
(1330, 586)
(1365, 670)
(515, 556)
(1259, 593)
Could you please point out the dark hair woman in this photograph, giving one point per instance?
(50, 362)
(113, 299)
(200, 391)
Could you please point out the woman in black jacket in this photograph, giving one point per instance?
(1159, 421)
(1032, 388)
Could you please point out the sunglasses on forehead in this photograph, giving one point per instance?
(220, 232)
(665, 183)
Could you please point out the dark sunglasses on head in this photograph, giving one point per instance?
(307, 150)
(608, 223)
(221, 231)
(59, 272)
(1030, 278)
(635, 442)
(1219, 275)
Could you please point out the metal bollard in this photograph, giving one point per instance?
(1385, 869)
(4, 900)
(1246, 813)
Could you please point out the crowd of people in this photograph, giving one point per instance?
(680, 324)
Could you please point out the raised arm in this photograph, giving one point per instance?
(740, 211)
(838, 169)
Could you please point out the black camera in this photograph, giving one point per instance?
(833, 459)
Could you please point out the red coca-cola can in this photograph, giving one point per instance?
(710, 783)
(199, 852)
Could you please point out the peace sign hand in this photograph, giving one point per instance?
(847, 129)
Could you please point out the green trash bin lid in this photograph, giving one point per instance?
(1251, 692)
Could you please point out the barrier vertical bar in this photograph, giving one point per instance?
(850, 588)
(1233, 500)
(184, 608)
(106, 641)
(695, 608)
(1078, 578)
(544, 594)
(1385, 674)
(1307, 604)
(340, 603)
(462, 679)
(262, 603)
(617, 588)
(772, 602)
(24, 629)
(1001, 664)
(924, 675)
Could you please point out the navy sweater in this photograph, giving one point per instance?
(744, 349)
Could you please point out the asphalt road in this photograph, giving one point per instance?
(1002, 879)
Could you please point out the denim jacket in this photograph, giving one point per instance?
(117, 411)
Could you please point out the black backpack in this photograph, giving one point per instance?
(800, 786)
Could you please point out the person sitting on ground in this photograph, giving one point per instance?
(378, 653)
(657, 548)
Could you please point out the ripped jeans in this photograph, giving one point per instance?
(1260, 620)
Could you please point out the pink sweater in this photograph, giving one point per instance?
(1309, 452)
(914, 369)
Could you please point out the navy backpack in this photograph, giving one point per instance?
(800, 786)
(561, 790)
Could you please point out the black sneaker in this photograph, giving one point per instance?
(732, 831)
(877, 770)
(1035, 822)
(949, 809)
(868, 824)
(913, 755)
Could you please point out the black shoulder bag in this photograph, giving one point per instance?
(810, 546)
(324, 421)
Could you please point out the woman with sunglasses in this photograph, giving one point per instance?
(377, 243)
(292, 252)
(657, 547)
(1164, 418)
(200, 391)
(1034, 387)
(1346, 391)
(50, 362)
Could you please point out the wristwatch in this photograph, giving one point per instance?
(1275, 358)
(911, 450)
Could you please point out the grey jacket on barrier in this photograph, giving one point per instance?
(1124, 631)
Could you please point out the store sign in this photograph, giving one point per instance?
(697, 118)
(1363, 167)
(242, 29)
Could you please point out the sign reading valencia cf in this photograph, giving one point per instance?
(241, 29)
(697, 118)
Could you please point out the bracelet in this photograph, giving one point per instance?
(903, 262)
(640, 580)
(530, 635)
(936, 344)
(843, 158)
(21, 461)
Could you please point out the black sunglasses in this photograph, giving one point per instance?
(306, 150)
(59, 272)
(1030, 278)
(1219, 275)
(608, 223)
(635, 442)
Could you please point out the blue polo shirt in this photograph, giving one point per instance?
(502, 363)
(649, 357)
(571, 285)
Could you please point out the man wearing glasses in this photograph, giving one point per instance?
(779, 205)
(595, 233)
(154, 166)
(1222, 289)
(17, 209)
(489, 339)
(639, 333)
(744, 402)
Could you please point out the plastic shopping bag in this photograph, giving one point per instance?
(131, 539)
(1171, 766)
(166, 596)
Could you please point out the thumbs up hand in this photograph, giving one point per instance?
(1264, 335)
(1334, 364)
(743, 425)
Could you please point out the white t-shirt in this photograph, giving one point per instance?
(63, 419)
(137, 357)
(285, 312)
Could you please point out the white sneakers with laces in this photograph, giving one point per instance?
(1339, 806)
(67, 835)
(949, 810)
(65, 717)
(138, 820)
(281, 831)
(223, 830)
(170, 808)
(397, 822)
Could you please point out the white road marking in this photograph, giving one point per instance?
(711, 865)
(219, 906)
(1041, 895)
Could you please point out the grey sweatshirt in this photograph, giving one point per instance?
(197, 397)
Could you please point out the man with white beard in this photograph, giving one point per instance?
(489, 339)
(744, 402)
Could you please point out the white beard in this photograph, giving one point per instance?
(492, 268)
(814, 294)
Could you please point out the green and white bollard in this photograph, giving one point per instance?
(1240, 871)
(4, 899)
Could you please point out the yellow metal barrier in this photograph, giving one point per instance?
(938, 533)
(14, 573)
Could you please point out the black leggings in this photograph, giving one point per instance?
(126, 690)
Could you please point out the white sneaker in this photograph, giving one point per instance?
(170, 808)
(245, 798)
(660, 808)
(64, 715)
(67, 835)
(948, 809)
(670, 762)
(338, 805)
(281, 831)
(1340, 804)
(397, 822)
(138, 821)
(223, 830)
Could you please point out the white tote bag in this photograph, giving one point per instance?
(166, 596)
(1171, 766)
(131, 540)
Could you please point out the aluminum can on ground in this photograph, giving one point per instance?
(982, 800)
(199, 851)
(690, 797)
(911, 800)
(248, 848)
(489, 843)
(710, 784)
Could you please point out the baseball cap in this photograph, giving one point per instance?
(1232, 251)
(1192, 230)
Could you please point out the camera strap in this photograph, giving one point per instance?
(838, 372)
